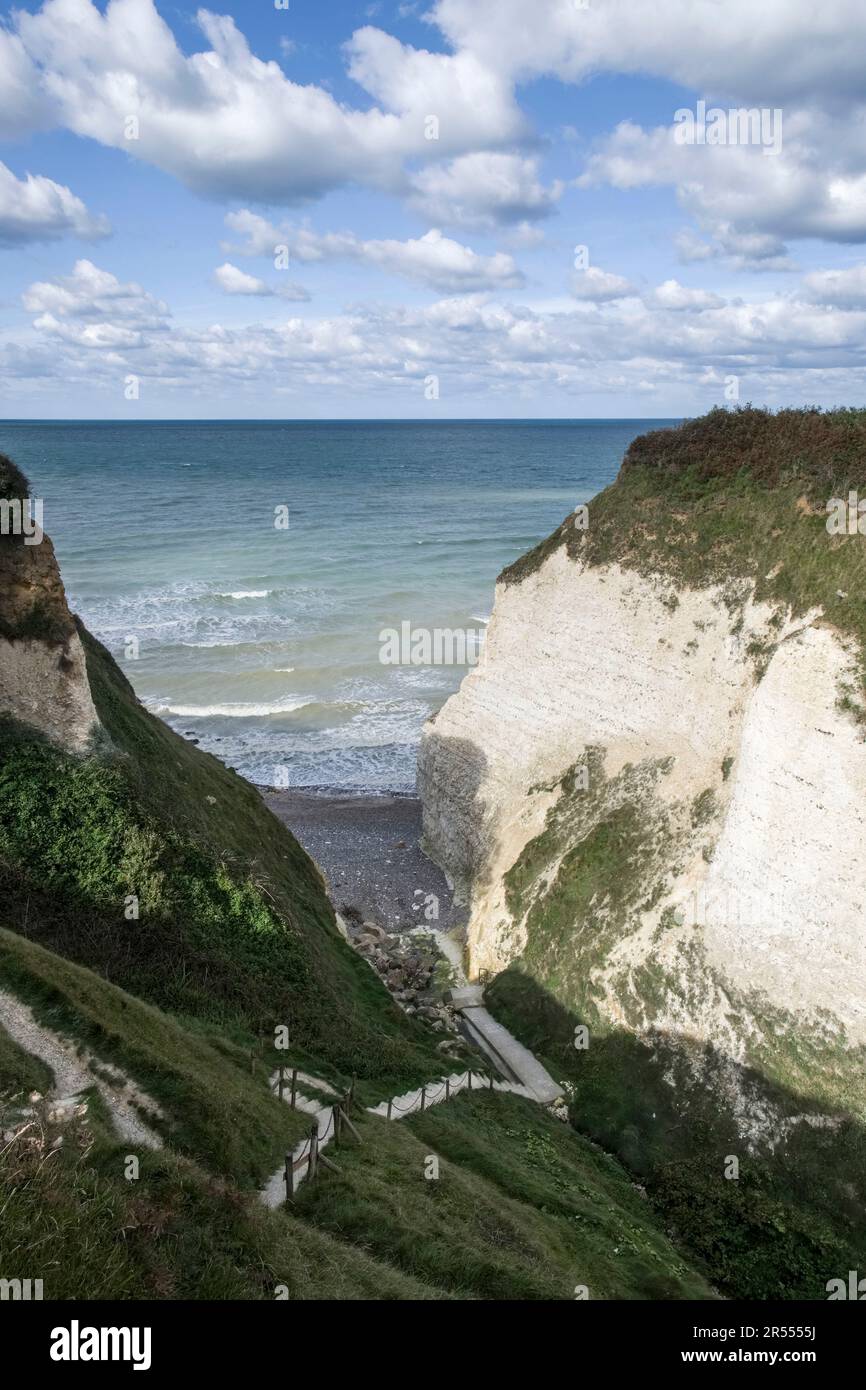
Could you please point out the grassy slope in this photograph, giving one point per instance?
(521, 1209)
(735, 498)
(234, 927)
(234, 935)
(70, 1217)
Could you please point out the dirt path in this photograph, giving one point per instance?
(72, 1074)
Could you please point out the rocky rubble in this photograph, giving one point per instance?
(413, 970)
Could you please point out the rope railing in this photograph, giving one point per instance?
(308, 1151)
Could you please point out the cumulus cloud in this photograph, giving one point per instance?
(97, 329)
(844, 289)
(748, 201)
(231, 125)
(228, 124)
(783, 50)
(484, 190)
(673, 295)
(232, 280)
(600, 286)
(433, 260)
(24, 106)
(36, 208)
(93, 309)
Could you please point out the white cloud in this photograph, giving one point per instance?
(784, 49)
(228, 124)
(484, 190)
(433, 260)
(673, 295)
(232, 280)
(23, 105)
(748, 201)
(36, 208)
(94, 309)
(844, 289)
(488, 348)
(600, 286)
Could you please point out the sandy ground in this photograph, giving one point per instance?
(367, 848)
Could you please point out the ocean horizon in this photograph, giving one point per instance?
(242, 572)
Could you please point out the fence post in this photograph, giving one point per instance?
(389, 1107)
(252, 1061)
(423, 1097)
(294, 1086)
(290, 1177)
(337, 1114)
(314, 1152)
(491, 1081)
(470, 1079)
(448, 1088)
(282, 1083)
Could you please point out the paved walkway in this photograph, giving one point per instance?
(433, 1093)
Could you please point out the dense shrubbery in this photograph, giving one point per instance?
(825, 447)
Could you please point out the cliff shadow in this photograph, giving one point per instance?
(781, 1220)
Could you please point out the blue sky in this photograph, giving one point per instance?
(154, 158)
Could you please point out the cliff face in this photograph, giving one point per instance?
(651, 790)
(43, 675)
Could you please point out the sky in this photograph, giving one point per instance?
(456, 209)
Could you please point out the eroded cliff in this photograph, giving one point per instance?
(652, 791)
(43, 673)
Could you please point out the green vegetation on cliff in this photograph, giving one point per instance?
(735, 495)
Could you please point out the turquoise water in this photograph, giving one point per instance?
(264, 643)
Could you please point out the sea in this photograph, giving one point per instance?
(243, 573)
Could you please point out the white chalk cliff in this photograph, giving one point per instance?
(720, 724)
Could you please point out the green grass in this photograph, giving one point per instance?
(217, 1111)
(71, 1218)
(793, 1218)
(522, 1207)
(234, 927)
(736, 498)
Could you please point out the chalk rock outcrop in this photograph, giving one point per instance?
(43, 671)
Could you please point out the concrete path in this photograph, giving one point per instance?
(509, 1056)
(434, 1093)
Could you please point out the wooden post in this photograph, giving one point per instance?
(470, 1079)
(290, 1177)
(389, 1108)
(282, 1081)
(352, 1100)
(491, 1081)
(252, 1061)
(294, 1087)
(314, 1152)
(335, 1111)
(423, 1097)
(447, 1088)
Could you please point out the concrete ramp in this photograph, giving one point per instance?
(510, 1057)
